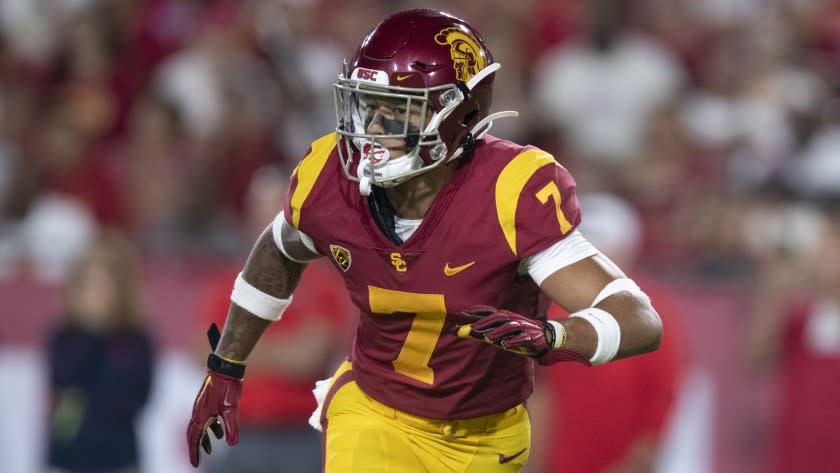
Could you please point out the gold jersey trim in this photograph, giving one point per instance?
(308, 171)
(509, 185)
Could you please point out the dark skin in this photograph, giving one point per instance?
(412, 199)
(271, 272)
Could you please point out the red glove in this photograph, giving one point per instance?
(517, 334)
(218, 397)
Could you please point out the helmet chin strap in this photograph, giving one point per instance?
(365, 164)
(367, 169)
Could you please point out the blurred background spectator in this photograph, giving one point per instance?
(100, 365)
(600, 92)
(795, 334)
(717, 121)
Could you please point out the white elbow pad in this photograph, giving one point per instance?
(264, 306)
(620, 285)
(608, 331)
(605, 325)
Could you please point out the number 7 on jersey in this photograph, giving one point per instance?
(429, 315)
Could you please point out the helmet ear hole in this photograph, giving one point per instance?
(469, 118)
(470, 111)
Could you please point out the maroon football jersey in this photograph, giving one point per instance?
(504, 203)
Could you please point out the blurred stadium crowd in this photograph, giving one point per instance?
(714, 125)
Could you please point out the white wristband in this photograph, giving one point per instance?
(264, 306)
(608, 331)
(559, 334)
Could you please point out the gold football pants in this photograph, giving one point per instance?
(362, 435)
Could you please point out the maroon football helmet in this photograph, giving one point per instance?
(420, 83)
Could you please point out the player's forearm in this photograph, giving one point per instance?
(270, 272)
(641, 328)
(241, 333)
(300, 354)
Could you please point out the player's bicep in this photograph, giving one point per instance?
(574, 287)
(269, 270)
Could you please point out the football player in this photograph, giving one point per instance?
(451, 243)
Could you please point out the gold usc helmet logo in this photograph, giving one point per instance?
(465, 51)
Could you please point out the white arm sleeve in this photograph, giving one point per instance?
(276, 231)
(569, 250)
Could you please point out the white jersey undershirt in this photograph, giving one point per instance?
(405, 227)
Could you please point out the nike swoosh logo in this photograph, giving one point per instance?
(457, 269)
(402, 78)
(503, 459)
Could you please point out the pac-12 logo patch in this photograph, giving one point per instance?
(341, 256)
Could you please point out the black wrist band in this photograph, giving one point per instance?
(220, 365)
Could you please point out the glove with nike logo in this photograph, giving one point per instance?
(518, 334)
(218, 398)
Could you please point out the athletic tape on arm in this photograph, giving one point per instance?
(605, 325)
(569, 250)
(620, 285)
(608, 331)
(264, 306)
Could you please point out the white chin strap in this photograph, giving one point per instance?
(370, 173)
(364, 172)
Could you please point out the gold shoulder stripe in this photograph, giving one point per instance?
(509, 185)
(308, 171)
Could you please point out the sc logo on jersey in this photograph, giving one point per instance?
(341, 256)
(398, 262)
